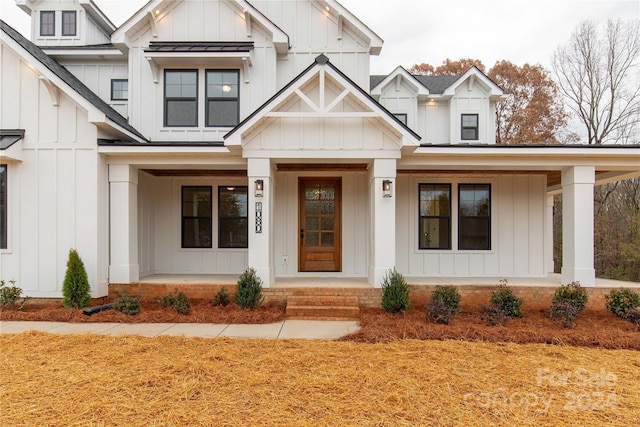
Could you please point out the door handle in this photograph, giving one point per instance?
(302, 233)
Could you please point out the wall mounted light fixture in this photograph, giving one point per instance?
(259, 187)
(386, 188)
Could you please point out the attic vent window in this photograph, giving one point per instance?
(69, 23)
(47, 23)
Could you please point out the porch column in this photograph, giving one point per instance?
(383, 220)
(261, 220)
(548, 237)
(577, 225)
(123, 224)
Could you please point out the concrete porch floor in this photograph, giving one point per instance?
(552, 280)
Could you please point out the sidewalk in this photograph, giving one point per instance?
(286, 329)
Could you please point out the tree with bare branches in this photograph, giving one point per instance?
(597, 71)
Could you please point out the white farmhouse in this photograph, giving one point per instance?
(204, 137)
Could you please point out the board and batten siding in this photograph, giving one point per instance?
(355, 223)
(518, 204)
(97, 77)
(160, 228)
(57, 194)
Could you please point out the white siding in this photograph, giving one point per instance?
(402, 100)
(472, 100)
(517, 220)
(97, 76)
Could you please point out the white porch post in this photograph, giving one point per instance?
(261, 220)
(123, 224)
(383, 220)
(577, 225)
(548, 237)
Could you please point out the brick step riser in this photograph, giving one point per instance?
(324, 311)
(323, 301)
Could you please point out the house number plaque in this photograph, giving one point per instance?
(258, 217)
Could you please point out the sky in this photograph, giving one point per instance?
(416, 31)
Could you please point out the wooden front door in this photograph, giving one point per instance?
(319, 240)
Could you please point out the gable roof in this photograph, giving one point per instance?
(436, 85)
(320, 61)
(71, 81)
(398, 75)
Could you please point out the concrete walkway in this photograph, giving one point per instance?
(286, 329)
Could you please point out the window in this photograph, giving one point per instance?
(181, 98)
(474, 216)
(402, 117)
(469, 127)
(196, 217)
(233, 231)
(3, 206)
(222, 108)
(435, 216)
(119, 89)
(47, 23)
(69, 23)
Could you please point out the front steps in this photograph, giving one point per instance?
(306, 304)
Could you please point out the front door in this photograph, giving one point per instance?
(319, 240)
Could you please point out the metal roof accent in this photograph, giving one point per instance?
(202, 46)
(8, 137)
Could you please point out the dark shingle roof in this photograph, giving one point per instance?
(436, 84)
(69, 78)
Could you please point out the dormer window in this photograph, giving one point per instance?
(47, 23)
(68, 23)
(469, 127)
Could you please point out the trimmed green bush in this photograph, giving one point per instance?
(504, 299)
(9, 295)
(395, 292)
(128, 304)
(620, 301)
(177, 301)
(568, 302)
(221, 298)
(249, 290)
(444, 304)
(75, 288)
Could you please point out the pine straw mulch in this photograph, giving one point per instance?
(150, 312)
(593, 328)
(78, 380)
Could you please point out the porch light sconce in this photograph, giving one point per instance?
(259, 187)
(386, 188)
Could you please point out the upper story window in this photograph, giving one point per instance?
(181, 98)
(474, 219)
(469, 127)
(119, 89)
(47, 23)
(223, 107)
(69, 23)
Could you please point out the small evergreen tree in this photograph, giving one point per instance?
(395, 292)
(249, 290)
(75, 288)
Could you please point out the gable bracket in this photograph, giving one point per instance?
(340, 20)
(398, 82)
(247, 22)
(154, 69)
(471, 80)
(246, 63)
(153, 21)
(54, 92)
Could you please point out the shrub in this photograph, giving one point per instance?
(221, 298)
(9, 295)
(493, 315)
(445, 302)
(128, 304)
(620, 301)
(178, 301)
(633, 316)
(568, 302)
(249, 290)
(506, 301)
(395, 292)
(75, 288)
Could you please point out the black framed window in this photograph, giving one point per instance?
(47, 23)
(68, 22)
(119, 89)
(233, 224)
(435, 216)
(223, 106)
(181, 98)
(474, 216)
(469, 127)
(3, 206)
(402, 117)
(196, 217)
